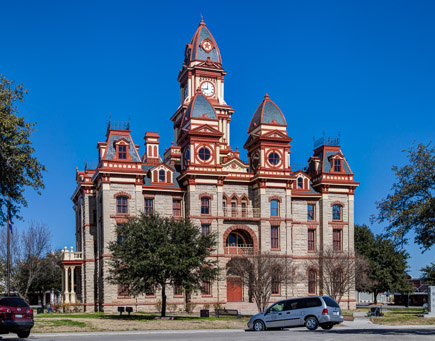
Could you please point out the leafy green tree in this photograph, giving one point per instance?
(411, 206)
(429, 273)
(387, 263)
(18, 167)
(153, 252)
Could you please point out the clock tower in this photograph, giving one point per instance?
(202, 73)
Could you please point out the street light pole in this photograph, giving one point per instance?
(9, 251)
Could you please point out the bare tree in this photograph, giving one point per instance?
(337, 272)
(261, 273)
(35, 246)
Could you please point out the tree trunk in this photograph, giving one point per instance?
(163, 300)
(375, 294)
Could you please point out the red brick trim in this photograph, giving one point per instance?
(337, 203)
(123, 194)
(275, 197)
(203, 195)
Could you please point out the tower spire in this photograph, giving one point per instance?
(202, 23)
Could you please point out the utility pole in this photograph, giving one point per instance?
(9, 251)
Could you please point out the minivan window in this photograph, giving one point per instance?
(13, 302)
(277, 307)
(298, 304)
(313, 302)
(330, 302)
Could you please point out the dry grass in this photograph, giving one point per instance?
(397, 317)
(97, 322)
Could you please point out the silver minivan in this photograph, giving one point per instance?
(311, 312)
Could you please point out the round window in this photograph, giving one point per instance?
(204, 154)
(274, 158)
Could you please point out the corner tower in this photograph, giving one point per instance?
(202, 72)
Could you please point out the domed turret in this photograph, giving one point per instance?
(267, 113)
(202, 46)
(199, 107)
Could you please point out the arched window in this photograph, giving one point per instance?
(224, 207)
(274, 208)
(300, 183)
(235, 239)
(161, 175)
(121, 204)
(338, 281)
(275, 284)
(233, 208)
(336, 212)
(312, 281)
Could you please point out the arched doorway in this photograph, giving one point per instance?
(234, 287)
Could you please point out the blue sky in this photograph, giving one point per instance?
(362, 68)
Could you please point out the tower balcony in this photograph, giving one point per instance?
(71, 255)
(239, 213)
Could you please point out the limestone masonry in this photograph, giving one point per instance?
(262, 206)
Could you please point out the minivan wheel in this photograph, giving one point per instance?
(259, 326)
(24, 334)
(311, 323)
(327, 326)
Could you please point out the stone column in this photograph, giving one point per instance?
(73, 293)
(66, 291)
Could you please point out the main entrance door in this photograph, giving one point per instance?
(234, 287)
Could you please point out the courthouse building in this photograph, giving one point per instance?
(263, 205)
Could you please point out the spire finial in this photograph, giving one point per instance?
(266, 96)
(202, 20)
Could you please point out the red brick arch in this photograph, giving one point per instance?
(246, 229)
(337, 203)
(124, 194)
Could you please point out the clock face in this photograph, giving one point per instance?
(207, 45)
(207, 88)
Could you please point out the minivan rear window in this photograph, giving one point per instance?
(13, 302)
(330, 302)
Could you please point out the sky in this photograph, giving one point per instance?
(363, 70)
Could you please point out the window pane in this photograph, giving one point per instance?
(310, 212)
(336, 240)
(311, 240)
(205, 228)
(206, 288)
(121, 205)
(273, 158)
(204, 154)
(337, 165)
(274, 237)
(274, 208)
(161, 175)
(205, 205)
(149, 206)
(312, 281)
(300, 183)
(176, 207)
(336, 212)
(122, 152)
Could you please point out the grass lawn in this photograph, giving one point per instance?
(396, 317)
(74, 322)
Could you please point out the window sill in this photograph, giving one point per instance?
(123, 297)
(275, 249)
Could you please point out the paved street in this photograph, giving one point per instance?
(350, 331)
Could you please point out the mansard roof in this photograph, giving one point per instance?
(111, 149)
(267, 113)
(200, 106)
(195, 50)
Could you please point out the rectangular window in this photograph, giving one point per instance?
(244, 209)
(336, 212)
(122, 152)
(205, 229)
(224, 207)
(205, 206)
(121, 205)
(150, 291)
(337, 165)
(274, 208)
(123, 290)
(176, 207)
(149, 206)
(311, 240)
(336, 240)
(274, 237)
(178, 290)
(310, 212)
(206, 288)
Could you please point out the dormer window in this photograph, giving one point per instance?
(300, 183)
(122, 152)
(161, 175)
(337, 165)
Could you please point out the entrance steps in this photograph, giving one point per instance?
(245, 308)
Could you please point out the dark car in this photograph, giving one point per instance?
(15, 316)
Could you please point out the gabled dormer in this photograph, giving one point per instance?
(161, 174)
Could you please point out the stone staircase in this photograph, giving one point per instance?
(245, 308)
